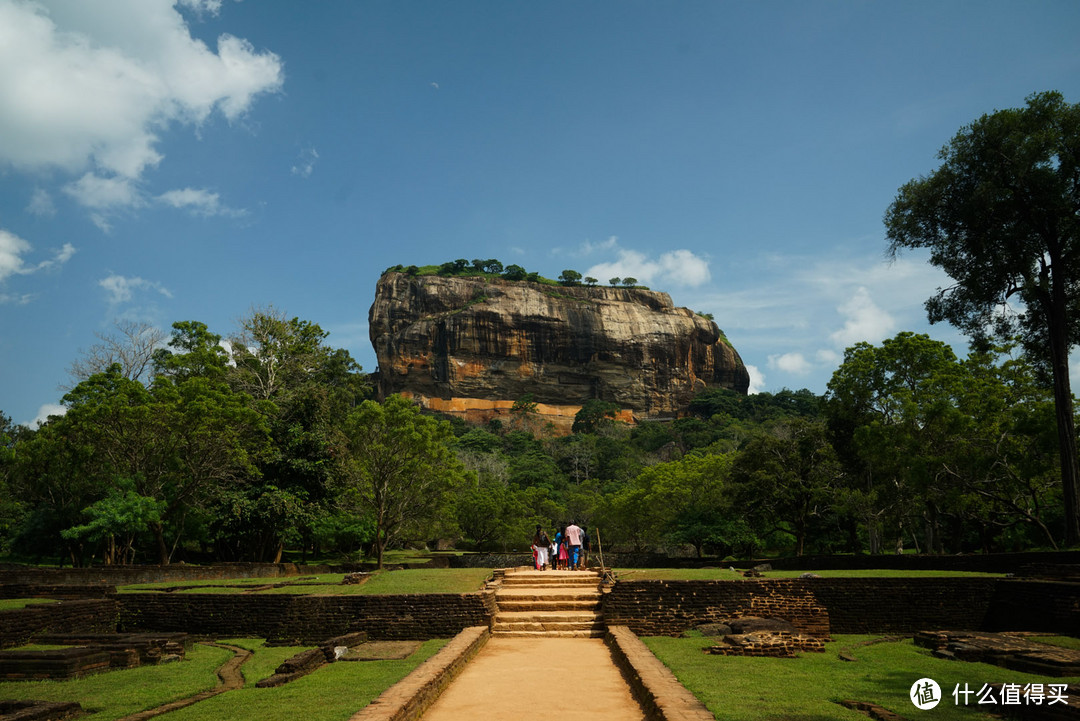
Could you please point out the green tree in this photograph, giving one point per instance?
(1001, 216)
(894, 413)
(116, 519)
(590, 281)
(614, 281)
(593, 414)
(570, 277)
(397, 465)
(786, 476)
(514, 272)
(629, 282)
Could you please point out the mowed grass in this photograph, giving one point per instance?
(726, 574)
(807, 688)
(332, 693)
(11, 604)
(386, 583)
(265, 659)
(115, 694)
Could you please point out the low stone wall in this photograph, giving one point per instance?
(19, 626)
(307, 619)
(1028, 605)
(655, 688)
(411, 696)
(667, 608)
(817, 606)
(979, 563)
(124, 575)
(60, 592)
(904, 605)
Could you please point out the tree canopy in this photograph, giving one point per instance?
(1001, 216)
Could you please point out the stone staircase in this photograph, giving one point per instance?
(549, 604)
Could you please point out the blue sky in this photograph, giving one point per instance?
(165, 161)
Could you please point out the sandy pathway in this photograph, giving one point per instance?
(545, 678)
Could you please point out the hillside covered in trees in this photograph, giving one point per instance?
(269, 446)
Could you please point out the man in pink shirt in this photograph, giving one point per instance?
(573, 539)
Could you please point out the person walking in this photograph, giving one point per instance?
(573, 541)
(541, 543)
(563, 557)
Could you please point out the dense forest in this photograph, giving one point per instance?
(267, 444)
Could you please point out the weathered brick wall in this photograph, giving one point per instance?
(981, 563)
(815, 606)
(306, 618)
(904, 605)
(18, 626)
(1023, 605)
(666, 608)
(123, 575)
(62, 592)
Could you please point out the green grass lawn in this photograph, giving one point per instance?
(726, 574)
(265, 659)
(807, 688)
(11, 604)
(114, 694)
(386, 583)
(335, 691)
(332, 693)
(1062, 641)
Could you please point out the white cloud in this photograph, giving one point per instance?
(12, 249)
(676, 267)
(305, 163)
(757, 379)
(200, 7)
(794, 363)
(589, 247)
(12, 299)
(866, 321)
(120, 289)
(198, 201)
(99, 193)
(41, 204)
(46, 410)
(91, 87)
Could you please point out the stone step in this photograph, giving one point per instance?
(532, 605)
(547, 616)
(550, 634)
(541, 580)
(548, 594)
(539, 625)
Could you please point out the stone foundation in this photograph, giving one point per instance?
(19, 626)
(307, 620)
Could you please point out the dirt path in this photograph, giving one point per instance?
(543, 678)
(229, 674)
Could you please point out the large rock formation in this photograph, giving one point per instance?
(475, 344)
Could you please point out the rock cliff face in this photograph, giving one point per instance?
(459, 343)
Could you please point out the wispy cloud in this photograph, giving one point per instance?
(120, 289)
(41, 204)
(12, 262)
(199, 201)
(305, 163)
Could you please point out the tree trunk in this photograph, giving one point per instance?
(277, 553)
(1063, 409)
(163, 548)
